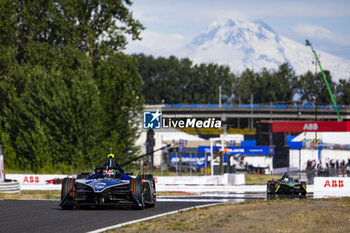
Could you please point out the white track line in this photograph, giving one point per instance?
(149, 218)
(199, 200)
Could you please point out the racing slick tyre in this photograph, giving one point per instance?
(275, 186)
(152, 183)
(136, 186)
(270, 187)
(68, 192)
(303, 188)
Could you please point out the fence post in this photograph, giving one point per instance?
(180, 165)
(191, 164)
(221, 163)
(177, 163)
(206, 164)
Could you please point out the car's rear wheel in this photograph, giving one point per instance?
(152, 183)
(68, 193)
(270, 187)
(303, 188)
(275, 186)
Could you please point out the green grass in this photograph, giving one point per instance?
(303, 215)
(33, 194)
(259, 179)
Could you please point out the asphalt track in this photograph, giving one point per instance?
(44, 216)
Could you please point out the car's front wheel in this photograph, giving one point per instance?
(136, 187)
(68, 193)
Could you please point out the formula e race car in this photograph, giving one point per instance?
(286, 186)
(109, 185)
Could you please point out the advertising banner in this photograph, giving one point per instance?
(332, 186)
(249, 150)
(310, 126)
(34, 179)
(196, 160)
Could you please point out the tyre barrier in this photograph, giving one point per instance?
(10, 186)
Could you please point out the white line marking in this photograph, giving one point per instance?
(201, 200)
(149, 218)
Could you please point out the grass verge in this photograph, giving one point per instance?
(288, 215)
(33, 194)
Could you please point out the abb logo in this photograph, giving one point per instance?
(310, 126)
(31, 179)
(155, 180)
(334, 184)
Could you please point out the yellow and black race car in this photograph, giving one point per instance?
(286, 186)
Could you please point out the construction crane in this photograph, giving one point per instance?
(307, 43)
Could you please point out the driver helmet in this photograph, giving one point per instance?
(110, 173)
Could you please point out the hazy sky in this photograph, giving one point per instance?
(172, 24)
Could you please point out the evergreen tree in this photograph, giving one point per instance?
(312, 89)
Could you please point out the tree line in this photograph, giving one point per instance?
(173, 81)
(68, 96)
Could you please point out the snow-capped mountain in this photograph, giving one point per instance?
(253, 44)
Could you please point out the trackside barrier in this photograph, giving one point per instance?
(226, 179)
(10, 186)
(33, 179)
(331, 186)
(38, 182)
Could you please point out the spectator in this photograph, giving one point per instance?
(342, 164)
(313, 164)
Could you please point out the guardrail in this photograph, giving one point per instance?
(10, 186)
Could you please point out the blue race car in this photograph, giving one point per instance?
(286, 186)
(109, 185)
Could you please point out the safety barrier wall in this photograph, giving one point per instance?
(38, 182)
(226, 179)
(331, 186)
(28, 179)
